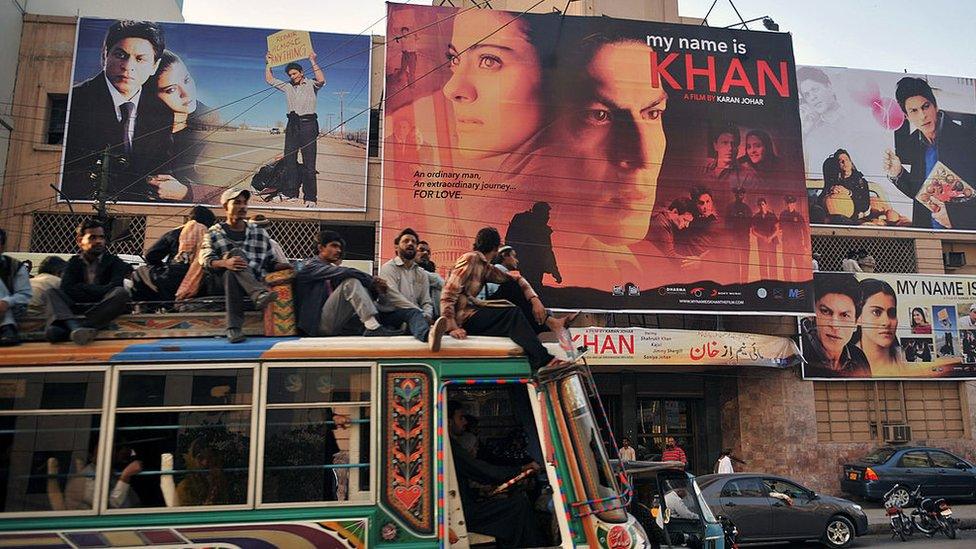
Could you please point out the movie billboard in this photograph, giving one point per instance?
(632, 165)
(889, 149)
(901, 326)
(186, 111)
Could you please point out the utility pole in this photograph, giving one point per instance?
(101, 175)
(331, 115)
(342, 116)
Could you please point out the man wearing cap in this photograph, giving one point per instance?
(795, 238)
(302, 130)
(403, 273)
(238, 254)
(969, 321)
(506, 261)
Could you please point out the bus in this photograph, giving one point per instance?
(341, 442)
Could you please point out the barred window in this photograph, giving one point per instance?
(54, 233)
(57, 112)
(852, 411)
(894, 255)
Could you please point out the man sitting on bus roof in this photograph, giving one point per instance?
(522, 318)
(333, 300)
(238, 254)
(92, 282)
(15, 294)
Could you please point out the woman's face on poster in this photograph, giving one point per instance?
(917, 317)
(495, 83)
(755, 149)
(879, 320)
(177, 89)
(836, 322)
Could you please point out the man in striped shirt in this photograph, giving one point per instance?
(521, 318)
(673, 452)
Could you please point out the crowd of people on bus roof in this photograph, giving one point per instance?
(483, 294)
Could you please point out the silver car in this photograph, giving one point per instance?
(773, 508)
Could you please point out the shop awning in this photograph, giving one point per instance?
(646, 346)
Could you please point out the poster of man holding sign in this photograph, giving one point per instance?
(203, 113)
(302, 131)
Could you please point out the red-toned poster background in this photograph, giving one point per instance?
(625, 161)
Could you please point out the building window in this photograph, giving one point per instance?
(374, 132)
(853, 411)
(57, 108)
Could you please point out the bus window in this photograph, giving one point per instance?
(316, 435)
(188, 429)
(494, 441)
(49, 425)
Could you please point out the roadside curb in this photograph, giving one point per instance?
(881, 528)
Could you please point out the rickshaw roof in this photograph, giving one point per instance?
(638, 467)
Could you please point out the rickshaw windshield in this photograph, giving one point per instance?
(683, 499)
(594, 464)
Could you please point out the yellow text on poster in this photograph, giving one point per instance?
(287, 46)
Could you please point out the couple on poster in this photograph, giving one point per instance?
(143, 109)
(857, 333)
(517, 110)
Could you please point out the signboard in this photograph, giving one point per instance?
(910, 326)
(632, 165)
(186, 111)
(288, 46)
(865, 145)
(659, 347)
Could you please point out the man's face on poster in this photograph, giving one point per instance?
(724, 149)
(296, 76)
(817, 96)
(922, 113)
(705, 205)
(129, 63)
(618, 137)
(836, 322)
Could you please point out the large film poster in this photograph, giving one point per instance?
(870, 325)
(186, 111)
(889, 149)
(632, 165)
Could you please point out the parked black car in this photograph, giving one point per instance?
(772, 508)
(940, 473)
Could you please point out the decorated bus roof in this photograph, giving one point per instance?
(255, 348)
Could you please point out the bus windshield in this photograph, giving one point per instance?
(594, 465)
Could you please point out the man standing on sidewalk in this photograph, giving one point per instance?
(302, 131)
(673, 452)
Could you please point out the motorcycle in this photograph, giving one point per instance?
(731, 532)
(932, 515)
(901, 525)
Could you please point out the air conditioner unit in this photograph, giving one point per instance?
(898, 432)
(954, 260)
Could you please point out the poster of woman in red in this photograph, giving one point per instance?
(631, 165)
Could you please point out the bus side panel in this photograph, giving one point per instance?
(407, 454)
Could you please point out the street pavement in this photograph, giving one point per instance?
(966, 539)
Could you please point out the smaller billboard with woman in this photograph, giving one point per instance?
(870, 325)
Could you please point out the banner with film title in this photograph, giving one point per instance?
(632, 165)
(895, 326)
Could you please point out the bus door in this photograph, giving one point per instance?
(499, 484)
